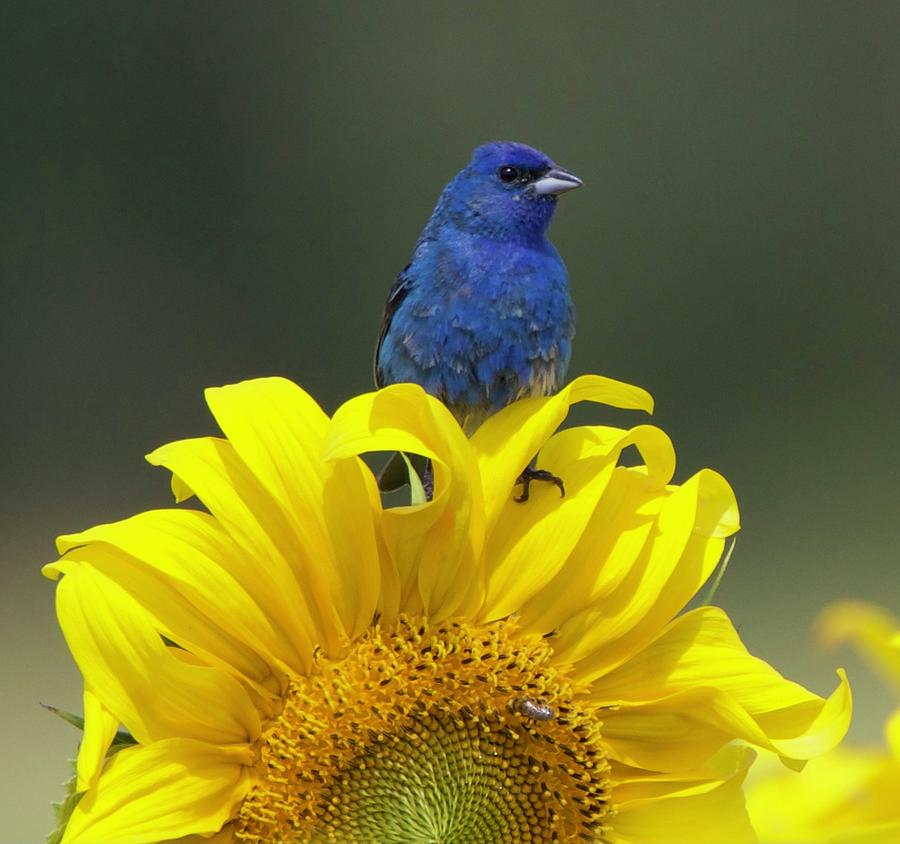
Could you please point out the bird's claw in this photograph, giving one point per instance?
(529, 475)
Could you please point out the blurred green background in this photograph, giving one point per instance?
(196, 193)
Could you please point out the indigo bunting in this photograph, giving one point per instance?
(481, 315)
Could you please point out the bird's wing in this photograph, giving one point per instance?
(398, 293)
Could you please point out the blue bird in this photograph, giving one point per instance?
(481, 315)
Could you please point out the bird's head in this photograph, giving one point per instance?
(508, 191)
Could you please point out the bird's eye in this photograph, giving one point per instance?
(508, 174)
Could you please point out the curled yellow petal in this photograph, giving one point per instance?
(508, 440)
(437, 545)
(700, 653)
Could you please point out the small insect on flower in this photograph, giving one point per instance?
(531, 708)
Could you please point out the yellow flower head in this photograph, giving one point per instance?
(300, 664)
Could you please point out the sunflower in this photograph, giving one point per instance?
(297, 663)
(851, 793)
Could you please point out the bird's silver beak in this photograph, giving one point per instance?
(556, 181)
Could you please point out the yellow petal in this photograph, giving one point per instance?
(225, 836)
(892, 734)
(671, 735)
(437, 545)
(508, 440)
(128, 667)
(632, 783)
(167, 789)
(613, 541)
(683, 729)
(872, 629)
(701, 648)
(686, 813)
(848, 795)
(530, 543)
(100, 727)
(278, 431)
(254, 521)
(390, 599)
(806, 730)
(701, 651)
(186, 571)
(683, 551)
(401, 417)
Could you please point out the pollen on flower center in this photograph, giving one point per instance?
(454, 733)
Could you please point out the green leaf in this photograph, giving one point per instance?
(69, 717)
(714, 587)
(63, 810)
(417, 491)
(121, 739)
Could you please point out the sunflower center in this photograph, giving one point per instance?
(453, 734)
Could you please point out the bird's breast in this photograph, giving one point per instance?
(482, 327)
